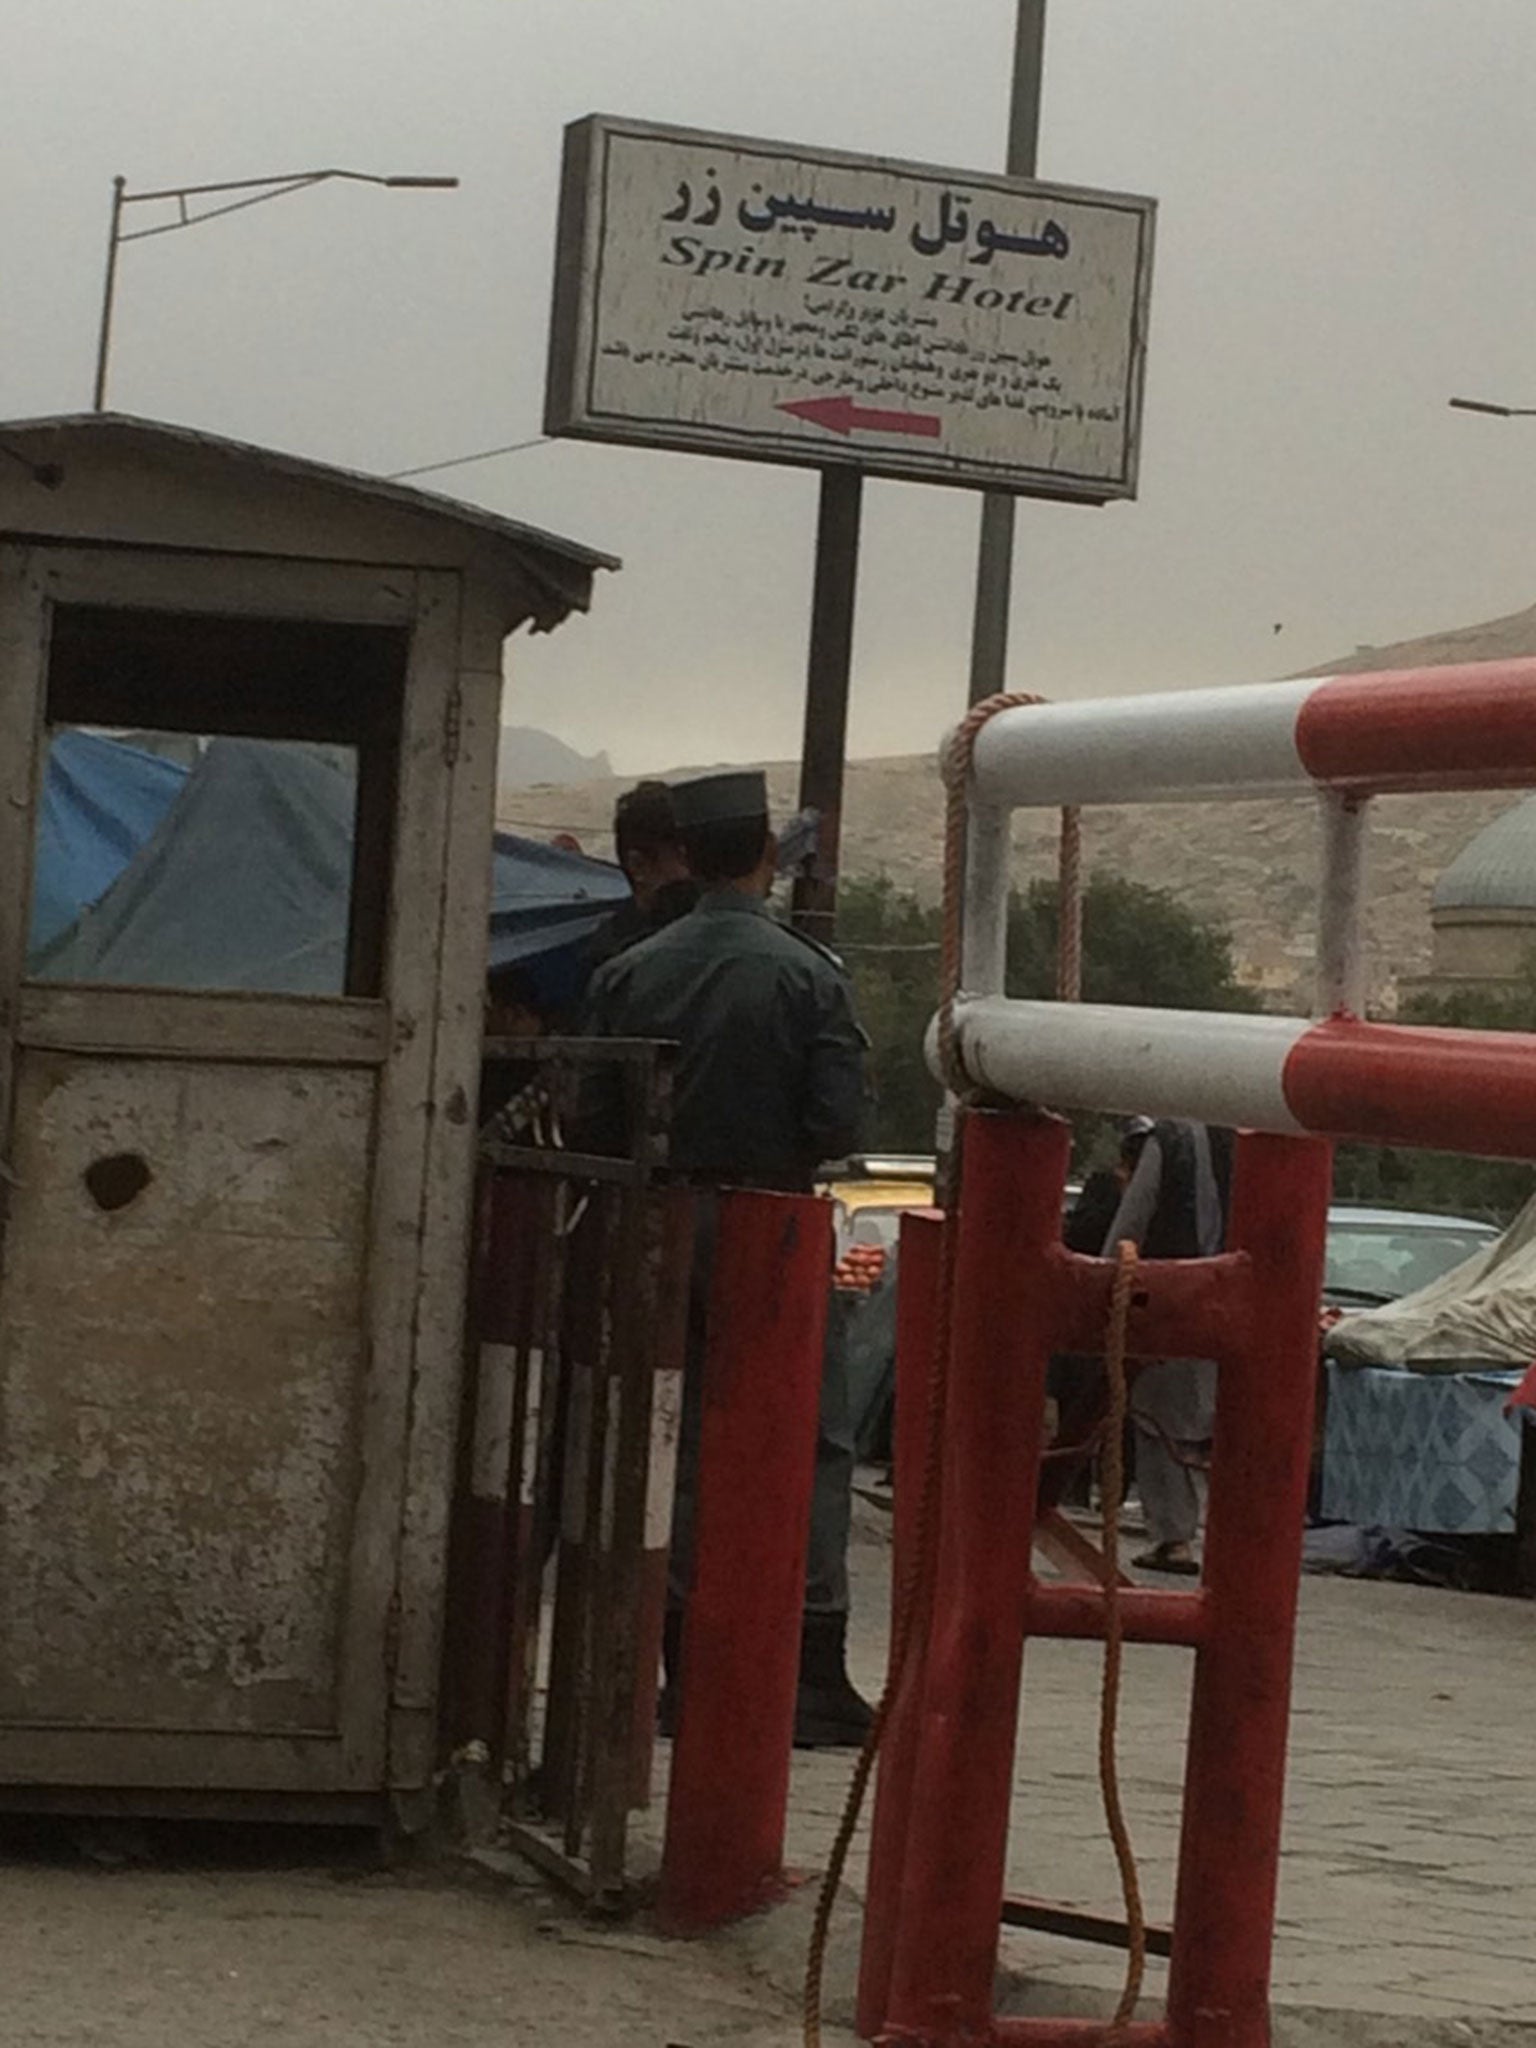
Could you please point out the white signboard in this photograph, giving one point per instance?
(746, 298)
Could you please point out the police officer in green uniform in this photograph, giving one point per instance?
(769, 1083)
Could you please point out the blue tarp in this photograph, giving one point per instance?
(246, 883)
(101, 803)
(547, 907)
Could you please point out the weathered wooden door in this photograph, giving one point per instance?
(212, 1210)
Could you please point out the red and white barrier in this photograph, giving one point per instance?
(1345, 739)
(1470, 727)
(1017, 1299)
(1462, 1091)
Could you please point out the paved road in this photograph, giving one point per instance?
(1409, 1879)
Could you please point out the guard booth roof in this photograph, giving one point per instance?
(108, 477)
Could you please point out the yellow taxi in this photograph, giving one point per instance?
(869, 1195)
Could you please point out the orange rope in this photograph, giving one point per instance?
(957, 775)
(1112, 1478)
(1069, 908)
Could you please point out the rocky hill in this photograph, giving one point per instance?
(1251, 866)
(530, 757)
(1505, 639)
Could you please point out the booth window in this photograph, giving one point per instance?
(218, 802)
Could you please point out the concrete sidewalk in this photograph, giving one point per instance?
(1409, 1879)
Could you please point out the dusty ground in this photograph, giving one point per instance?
(224, 1957)
(1405, 1914)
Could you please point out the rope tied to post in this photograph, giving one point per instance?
(956, 768)
(957, 787)
(1111, 1485)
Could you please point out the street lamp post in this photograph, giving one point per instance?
(108, 289)
(254, 191)
(1501, 412)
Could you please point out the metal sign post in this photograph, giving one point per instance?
(994, 553)
(824, 748)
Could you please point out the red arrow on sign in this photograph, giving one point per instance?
(843, 416)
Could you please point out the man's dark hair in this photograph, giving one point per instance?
(726, 851)
(643, 821)
(514, 988)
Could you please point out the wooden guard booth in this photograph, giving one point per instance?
(235, 1223)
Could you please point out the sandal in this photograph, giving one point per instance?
(1168, 1557)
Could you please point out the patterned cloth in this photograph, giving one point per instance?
(1435, 1452)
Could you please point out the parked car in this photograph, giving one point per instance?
(1375, 1257)
(871, 1194)
(1379, 1255)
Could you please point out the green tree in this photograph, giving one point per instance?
(1140, 945)
(890, 941)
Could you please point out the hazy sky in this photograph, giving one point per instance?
(1344, 241)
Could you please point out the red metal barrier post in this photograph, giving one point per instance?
(918, 1280)
(1018, 1295)
(1012, 1173)
(937, 1869)
(729, 1790)
(1223, 1921)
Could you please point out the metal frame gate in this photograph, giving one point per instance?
(583, 1297)
(935, 1896)
(579, 1304)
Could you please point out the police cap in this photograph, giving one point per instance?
(738, 797)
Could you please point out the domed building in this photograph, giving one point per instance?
(1484, 906)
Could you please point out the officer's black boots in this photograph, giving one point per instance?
(829, 1714)
(671, 1666)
